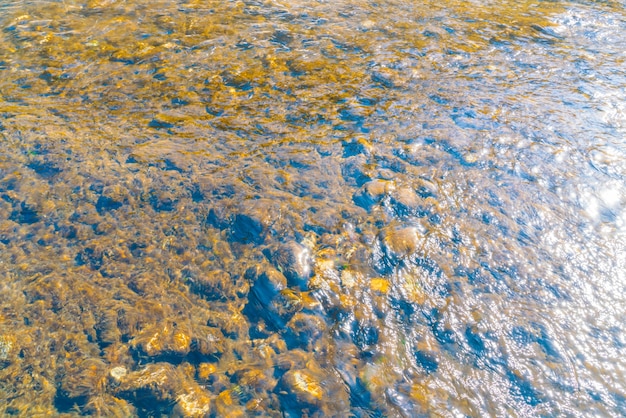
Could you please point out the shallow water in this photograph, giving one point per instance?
(308, 208)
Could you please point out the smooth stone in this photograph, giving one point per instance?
(401, 242)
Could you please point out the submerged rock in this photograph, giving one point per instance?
(396, 245)
(313, 388)
(163, 340)
(215, 285)
(401, 242)
(302, 388)
(266, 283)
(253, 220)
(275, 312)
(406, 202)
(304, 330)
(163, 383)
(372, 192)
(295, 262)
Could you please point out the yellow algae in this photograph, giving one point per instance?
(205, 370)
(380, 285)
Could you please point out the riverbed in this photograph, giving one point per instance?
(312, 208)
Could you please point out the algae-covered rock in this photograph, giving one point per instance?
(7, 347)
(105, 405)
(214, 285)
(173, 391)
(313, 388)
(163, 339)
(294, 260)
(193, 402)
(161, 380)
(302, 388)
(208, 342)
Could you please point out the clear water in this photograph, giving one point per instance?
(309, 208)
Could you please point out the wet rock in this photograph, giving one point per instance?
(372, 193)
(295, 262)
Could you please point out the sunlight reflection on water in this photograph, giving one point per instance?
(258, 208)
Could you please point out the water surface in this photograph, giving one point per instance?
(308, 208)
